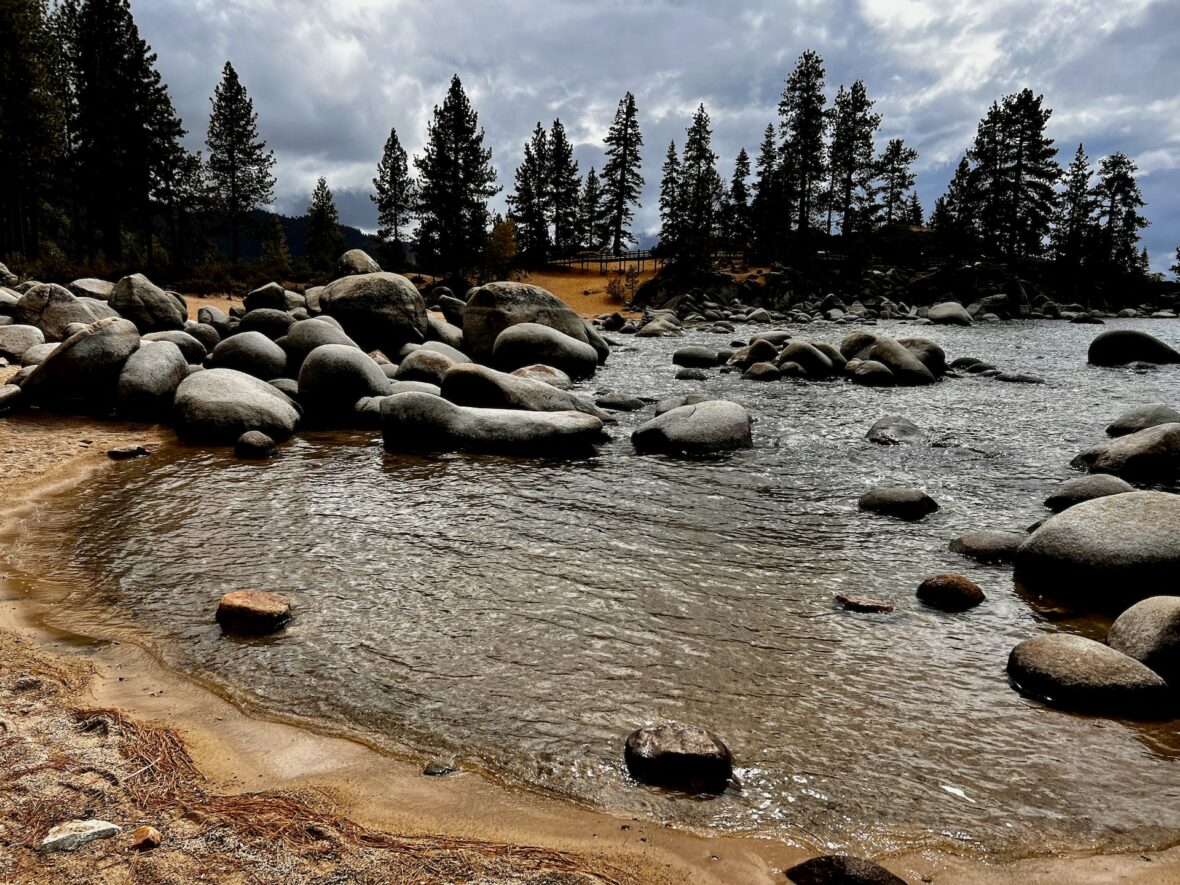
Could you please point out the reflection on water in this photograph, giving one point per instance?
(526, 615)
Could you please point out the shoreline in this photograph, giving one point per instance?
(237, 752)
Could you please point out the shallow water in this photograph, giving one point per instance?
(527, 614)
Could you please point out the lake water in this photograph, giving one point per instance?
(525, 615)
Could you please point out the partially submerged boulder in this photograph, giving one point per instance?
(901, 502)
(217, 406)
(524, 344)
(1141, 418)
(1150, 456)
(480, 387)
(1086, 488)
(684, 757)
(253, 612)
(1149, 632)
(705, 428)
(950, 593)
(988, 546)
(1118, 347)
(494, 307)
(895, 430)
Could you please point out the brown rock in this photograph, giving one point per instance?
(864, 604)
(252, 611)
(146, 838)
(950, 593)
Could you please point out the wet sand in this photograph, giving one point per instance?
(235, 754)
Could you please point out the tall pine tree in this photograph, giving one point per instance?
(456, 180)
(563, 191)
(850, 156)
(896, 175)
(1073, 227)
(735, 220)
(1118, 203)
(396, 192)
(239, 164)
(802, 125)
(325, 240)
(765, 218)
(621, 181)
(671, 211)
(529, 203)
(592, 232)
(700, 190)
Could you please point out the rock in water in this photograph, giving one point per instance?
(900, 501)
(1076, 673)
(1149, 632)
(680, 756)
(1141, 418)
(254, 445)
(864, 604)
(82, 374)
(696, 357)
(334, 378)
(1086, 488)
(895, 430)
(483, 388)
(72, 835)
(548, 374)
(379, 311)
(217, 406)
(988, 546)
(148, 306)
(421, 422)
(838, 869)
(494, 307)
(252, 612)
(1113, 550)
(1121, 346)
(524, 344)
(1150, 456)
(705, 428)
(950, 593)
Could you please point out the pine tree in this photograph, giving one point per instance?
(914, 216)
(802, 125)
(764, 208)
(395, 194)
(591, 226)
(621, 181)
(895, 172)
(501, 249)
(1176, 267)
(1073, 228)
(735, 220)
(529, 203)
(700, 190)
(850, 166)
(955, 214)
(325, 240)
(456, 179)
(1119, 201)
(239, 164)
(563, 191)
(671, 215)
(276, 257)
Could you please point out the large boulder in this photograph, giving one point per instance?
(1121, 346)
(305, 336)
(907, 369)
(272, 296)
(252, 353)
(524, 344)
(815, 362)
(1076, 673)
(152, 309)
(334, 377)
(194, 349)
(1086, 488)
(270, 322)
(949, 313)
(1149, 632)
(1150, 456)
(81, 374)
(548, 374)
(16, 339)
(841, 869)
(870, 373)
(901, 502)
(444, 332)
(52, 308)
(1141, 418)
(355, 262)
(927, 353)
(421, 422)
(217, 406)
(704, 428)
(1113, 550)
(379, 311)
(684, 757)
(149, 380)
(494, 307)
(483, 388)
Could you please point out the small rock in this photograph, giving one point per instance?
(899, 501)
(988, 546)
(252, 612)
(864, 604)
(146, 838)
(950, 593)
(254, 445)
(75, 833)
(894, 431)
(126, 453)
(438, 769)
(692, 375)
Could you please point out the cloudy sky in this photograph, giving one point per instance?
(330, 77)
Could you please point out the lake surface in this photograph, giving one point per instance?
(525, 615)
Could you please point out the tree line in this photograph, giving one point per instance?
(96, 170)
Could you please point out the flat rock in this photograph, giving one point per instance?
(864, 604)
(839, 869)
(252, 612)
(76, 833)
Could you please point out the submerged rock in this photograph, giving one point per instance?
(895, 430)
(1141, 418)
(988, 546)
(1150, 456)
(254, 445)
(1149, 632)
(705, 428)
(680, 756)
(864, 604)
(899, 501)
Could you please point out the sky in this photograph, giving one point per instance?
(329, 78)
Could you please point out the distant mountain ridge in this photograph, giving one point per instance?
(258, 224)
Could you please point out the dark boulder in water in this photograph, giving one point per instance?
(988, 546)
(901, 502)
(252, 612)
(706, 428)
(1149, 632)
(1141, 418)
(839, 869)
(683, 757)
(950, 593)
(1086, 488)
(894, 431)
(1118, 347)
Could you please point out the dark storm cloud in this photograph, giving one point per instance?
(329, 78)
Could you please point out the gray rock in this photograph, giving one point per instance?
(988, 546)
(765, 372)
(305, 336)
(254, 445)
(705, 428)
(1149, 632)
(1113, 550)
(203, 332)
(906, 368)
(949, 313)
(840, 869)
(10, 397)
(421, 422)
(355, 262)
(902, 502)
(895, 430)
(252, 353)
(218, 405)
(759, 351)
(215, 317)
(38, 353)
(927, 353)
(451, 307)
(480, 387)
(1076, 673)
(379, 311)
(1150, 456)
(274, 324)
(675, 402)
(494, 307)
(439, 330)
(424, 365)
(870, 373)
(619, 402)
(81, 374)
(149, 380)
(692, 375)
(1019, 378)
(524, 344)
(16, 339)
(548, 374)
(1141, 418)
(272, 296)
(1086, 488)
(148, 306)
(194, 350)
(74, 834)
(696, 357)
(334, 377)
(815, 362)
(1121, 346)
(680, 756)
(52, 308)
(7, 277)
